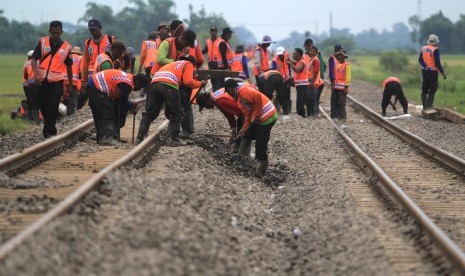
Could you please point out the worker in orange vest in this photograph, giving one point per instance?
(341, 86)
(332, 63)
(308, 44)
(314, 79)
(430, 61)
(393, 88)
(28, 85)
(230, 109)
(279, 63)
(300, 69)
(163, 30)
(148, 53)
(273, 81)
(51, 62)
(208, 49)
(240, 63)
(71, 100)
(165, 89)
(128, 60)
(259, 118)
(104, 89)
(94, 46)
(261, 60)
(222, 57)
(110, 59)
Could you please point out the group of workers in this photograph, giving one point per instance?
(57, 72)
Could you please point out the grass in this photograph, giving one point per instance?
(451, 91)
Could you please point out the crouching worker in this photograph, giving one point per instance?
(393, 87)
(106, 87)
(165, 89)
(228, 106)
(259, 117)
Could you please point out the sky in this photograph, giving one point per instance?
(276, 18)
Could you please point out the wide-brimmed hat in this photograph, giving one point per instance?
(280, 51)
(163, 25)
(266, 40)
(342, 52)
(76, 50)
(433, 39)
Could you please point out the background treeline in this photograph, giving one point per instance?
(133, 23)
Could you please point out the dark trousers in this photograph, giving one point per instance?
(302, 99)
(82, 99)
(260, 84)
(28, 100)
(161, 93)
(275, 82)
(261, 135)
(429, 86)
(287, 91)
(338, 104)
(187, 122)
(103, 112)
(120, 114)
(49, 96)
(393, 89)
(217, 83)
(72, 101)
(312, 109)
(320, 90)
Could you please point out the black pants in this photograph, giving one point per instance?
(261, 135)
(72, 101)
(121, 112)
(302, 99)
(260, 84)
(429, 87)
(187, 122)
(275, 82)
(312, 109)
(393, 89)
(217, 83)
(49, 96)
(320, 90)
(103, 112)
(338, 104)
(161, 93)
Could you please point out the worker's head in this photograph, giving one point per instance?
(230, 86)
(213, 32)
(117, 49)
(55, 30)
(95, 28)
(204, 100)
(280, 51)
(297, 54)
(189, 58)
(176, 28)
(187, 39)
(227, 33)
(433, 40)
(152, 36)
(341, 56)
(313, 51)
(239, 49)
(140, 81)
(266, 42)
(76, 50)
(308, 44)
(338, 47)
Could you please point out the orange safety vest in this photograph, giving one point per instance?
(282, 66)
(29, 73)
(237, 66)
(148, 53)
(311, 70)
(301, 78)
(94, 50)
(263, 61)
(340, 82)
(427, 53)
(172, 54)
(210, 43)
(253, 102)
(177, 73)
(216, 55)
(100, 60)
(269, 73)
(52, 66)
(107, 81)
(22, 112)
(77, 61)
(195, 52)
(222, 94)
(391, 79)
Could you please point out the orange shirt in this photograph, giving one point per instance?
(177, 73)
(254, 105)
(389, 80)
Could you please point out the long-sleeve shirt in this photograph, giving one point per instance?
(331, 63)
(245, 65)
(322, 65)
(163, 53)
(223, 49)
(228, 106)
(437, 60)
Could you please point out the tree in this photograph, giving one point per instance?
(440, 25)
(458, 36)
(415, 24)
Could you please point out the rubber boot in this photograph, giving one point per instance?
(424, 102)
(107, 129)
(35, 116)
(244, 148)
(143, 129)
(261, 168)
(430, 100)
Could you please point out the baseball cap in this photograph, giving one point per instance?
(227, 30)
(94, 24)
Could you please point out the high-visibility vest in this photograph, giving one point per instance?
(107, 81)
(251, 100)
(341, 81)
(268, 73)
(94, 49)
(52, 66)
(177, 73)
(427, 52)
(29, 73)
(195, 52)
(148, 53)
(76, 68)
(311, 71)
(216, 55)
(100, 60)
(263, 60)
(210, 48)
(172, 54)
(221, 94)
(301, 78)
(237, 66)
(390, 79)
(282, 66)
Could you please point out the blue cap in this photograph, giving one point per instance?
(94, 24)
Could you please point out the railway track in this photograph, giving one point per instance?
(50, 177)
(427, 181)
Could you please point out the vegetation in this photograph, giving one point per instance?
(394, 61)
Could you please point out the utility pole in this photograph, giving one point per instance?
(330, 24)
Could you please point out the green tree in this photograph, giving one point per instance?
(458, 36)
(440, 25)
